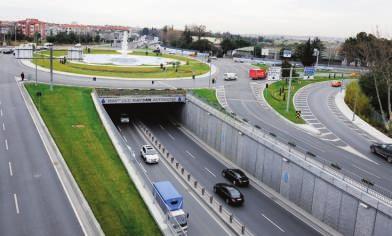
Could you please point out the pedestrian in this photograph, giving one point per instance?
(22, 76)
(152, 81)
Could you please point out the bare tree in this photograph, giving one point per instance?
(198, 30)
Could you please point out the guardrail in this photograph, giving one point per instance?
(236, 225)
(289, 149)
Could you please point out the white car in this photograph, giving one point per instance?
(124, 118)
(149, 154)
(230, 76)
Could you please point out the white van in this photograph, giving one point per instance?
(230, 76)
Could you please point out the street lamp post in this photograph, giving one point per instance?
(51, 67)
(289, 92)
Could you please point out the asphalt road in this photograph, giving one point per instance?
(259, 213)
(199, 217)
(352, 154)
(32, 200)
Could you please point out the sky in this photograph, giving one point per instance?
(334, 18)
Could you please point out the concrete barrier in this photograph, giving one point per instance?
(344, 204)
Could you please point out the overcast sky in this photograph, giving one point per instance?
(339, 18)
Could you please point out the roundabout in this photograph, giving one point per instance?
(104, 63)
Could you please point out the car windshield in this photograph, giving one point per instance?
(150, 151)
(124, 116)
(234, 192)
(238, 173)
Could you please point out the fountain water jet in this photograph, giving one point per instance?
(124, 44)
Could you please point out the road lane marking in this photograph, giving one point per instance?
(163, 128)
(170, 136)
(359, 168)
(16, 203)
(6, 144)
(125, 138)
(210, 172)
(10, 167)
(277, 226)
(118, 127)
(190, 154)
(3, 126)
(141, 166)
(1, 112)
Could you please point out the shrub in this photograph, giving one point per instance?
(353, 91)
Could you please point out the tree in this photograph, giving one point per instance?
(305, 53)
(227, 45)
(202, 45)
(198, 30)
(186, 38)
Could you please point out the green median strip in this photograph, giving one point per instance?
(208, 96)
(72, 120)
(278, 100)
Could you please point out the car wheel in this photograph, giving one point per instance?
(373, 150)
(215, 190)
(227, 201)
(389, 159)
(224, 174)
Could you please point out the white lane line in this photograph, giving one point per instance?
(125, 138)
(118, 127)
(359, 168)
(16, 203)
(163, 128)
(277, 226)
(6, 144)
(141, 166)
(190, 154)
(3, 126)
(210, 172)
(10, 166)
(170, 136)
(1, 112)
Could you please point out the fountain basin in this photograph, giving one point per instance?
(127, 60)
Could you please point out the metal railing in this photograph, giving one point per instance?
(234, 223)
(289, 150)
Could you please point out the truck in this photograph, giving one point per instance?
(257, 74)
(171, 202)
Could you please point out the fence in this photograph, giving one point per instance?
(227, 217)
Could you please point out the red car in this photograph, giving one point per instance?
(336, 83)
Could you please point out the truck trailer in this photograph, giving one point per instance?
(171, 203)
(256, 74)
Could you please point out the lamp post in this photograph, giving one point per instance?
(289, 92)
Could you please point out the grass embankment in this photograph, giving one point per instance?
(279, 101)
(191, 67)
(74, 124)
(261, 66)
(208, 96)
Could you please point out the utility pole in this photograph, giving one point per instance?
(289, 92)
(51, 67)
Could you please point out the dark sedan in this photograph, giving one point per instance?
(236, 176)
(382, 149)
(229, 193)
(8, 51)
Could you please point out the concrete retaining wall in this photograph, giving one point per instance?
(327, 197)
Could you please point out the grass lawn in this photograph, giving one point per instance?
(276, 101)
(74, 124)
(262, 66)
(208, 96)
(194, 66)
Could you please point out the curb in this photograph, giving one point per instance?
(124, 153)
(32, 66)
(83, 212)
(304, 127)
(358, 122)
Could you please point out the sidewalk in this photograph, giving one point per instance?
(361, 124)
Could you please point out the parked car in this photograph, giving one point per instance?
(236, 176)
(382, 149)
(230, 76)
(229, 193)
(336, 83)
(213, 58)
(149, 154)
(124, 118)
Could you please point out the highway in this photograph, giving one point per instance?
(198, 216)
(32, 199)
(261, 214)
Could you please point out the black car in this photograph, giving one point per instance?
(8, 51)
(236, 176)
(382, 149)
(229, 193)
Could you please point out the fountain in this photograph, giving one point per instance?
(124, 44)
(124, 59)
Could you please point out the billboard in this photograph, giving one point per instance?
(309, 72)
